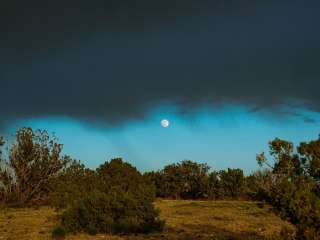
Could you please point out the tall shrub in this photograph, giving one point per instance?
(34, 159)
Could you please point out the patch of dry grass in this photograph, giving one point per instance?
(185, 220)
(33, 224)
(222, 219)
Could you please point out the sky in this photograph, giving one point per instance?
(101, 74)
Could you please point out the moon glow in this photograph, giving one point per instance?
(165, 123)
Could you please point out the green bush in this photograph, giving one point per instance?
(76, 181)
(232, 182)
(58, 233)
(293, 187)
(115, 198)
(186, 179)
(293, 199)
(33, 160)
(287, 234)
(72, 184)
(192, 180)
(122, 175)
(92, 230)
(115, 212)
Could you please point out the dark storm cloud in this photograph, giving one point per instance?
(112, 60)
(299, 115)
(310, 120)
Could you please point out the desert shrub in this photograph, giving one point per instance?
(113, 212)
(294, 185)
(72, 184)
(58, 233)
(76, 181)
(232, 182)
(157, 180)
(122, 175)
(293, 199)
(287, 234)
(115, 198)
(215, 190)
(92, 230)
(191, 180)
(186, 179)
(33, 161)
(259, 184)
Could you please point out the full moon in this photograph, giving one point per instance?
(165, 123)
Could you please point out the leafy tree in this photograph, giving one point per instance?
(233, 182)
(172, 181)
(259, 184)
(194, 179)
(123, 176)
(310, 156)
(157, 179)
(285, 161)
(186, 179)
(72, 184)
(191, 180)
(6, 180)
(34, 160)
(294, 183)
(215, 189)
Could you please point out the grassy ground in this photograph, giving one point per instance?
(185, 220)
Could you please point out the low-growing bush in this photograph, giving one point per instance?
(113, 199)
(113, 212)
(287, 234)
(92, 230)
(58, 233)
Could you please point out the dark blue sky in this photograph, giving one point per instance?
(222, 71)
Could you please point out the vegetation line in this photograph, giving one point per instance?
(117, 199)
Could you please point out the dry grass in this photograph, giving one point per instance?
(16, 224)
(185, 220)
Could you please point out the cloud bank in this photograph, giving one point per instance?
(113, 60)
